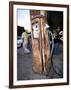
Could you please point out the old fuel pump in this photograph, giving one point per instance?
(40, 44)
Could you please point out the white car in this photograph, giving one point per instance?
(19, 42)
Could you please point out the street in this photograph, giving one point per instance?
(54, 67)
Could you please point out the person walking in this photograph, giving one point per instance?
(25, 41)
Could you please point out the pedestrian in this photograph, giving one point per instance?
(25, 41)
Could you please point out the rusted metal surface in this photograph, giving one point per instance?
(40, 48)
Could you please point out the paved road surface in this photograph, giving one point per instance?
(24, 65)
